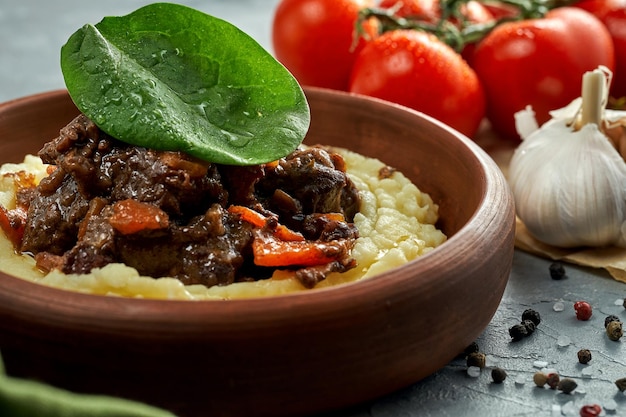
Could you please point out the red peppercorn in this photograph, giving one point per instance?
(553, 380)
(590, 410)
(583, 310)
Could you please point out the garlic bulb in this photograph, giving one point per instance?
(568, 179)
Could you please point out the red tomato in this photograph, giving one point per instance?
(430, 10)
(613, 14)
(417, 70)
(476, 12)
(314, 39)
(539, 62)
(501, 10)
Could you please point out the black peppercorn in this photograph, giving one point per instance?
(518, 332)
(567, 385)
(557, 271)
(614, 330)
(530, 327)
(498, 375)
(621, 384)
(609, 319)
(584, 356)
(532, 315)
(472, 348)
(476, 359)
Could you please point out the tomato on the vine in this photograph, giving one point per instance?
(539, 62)
(613, 14)
(314, 39)
(501, 10)
(416, 69)
(430, 10)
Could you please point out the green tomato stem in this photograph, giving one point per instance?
(464, 31)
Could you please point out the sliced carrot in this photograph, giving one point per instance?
(176, 160)
(284, 233)
(338, 217)
(248, 215)
(273, 252)
(272, 164)
(131, 216)
(12, 222)
(259, 220)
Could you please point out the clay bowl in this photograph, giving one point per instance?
(289, 355)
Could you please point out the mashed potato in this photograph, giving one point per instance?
(396, 224)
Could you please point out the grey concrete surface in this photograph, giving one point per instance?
(31, 34)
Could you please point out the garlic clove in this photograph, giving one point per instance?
(614, 127)
(525, 122)
(568, 112)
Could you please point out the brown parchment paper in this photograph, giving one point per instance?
(612, 259)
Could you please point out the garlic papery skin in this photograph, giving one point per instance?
(570, 186)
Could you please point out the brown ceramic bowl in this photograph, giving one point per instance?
(290, 355)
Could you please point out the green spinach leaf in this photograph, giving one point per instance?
(169, 77)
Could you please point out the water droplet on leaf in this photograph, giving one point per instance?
(136, 98)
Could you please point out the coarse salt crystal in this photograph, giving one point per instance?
(473, 371)
(569, 409)
(610, 405)
(491, 361)
(563, 341)
(549, 371)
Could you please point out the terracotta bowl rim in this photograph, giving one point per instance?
(378, 286)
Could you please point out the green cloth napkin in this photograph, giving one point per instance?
(26, 398)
